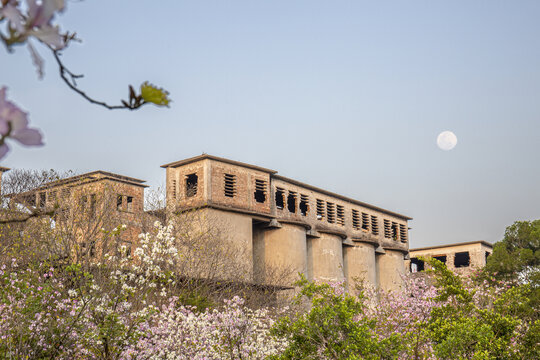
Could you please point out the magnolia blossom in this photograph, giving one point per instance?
(14, 124)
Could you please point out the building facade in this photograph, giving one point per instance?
(283, 223)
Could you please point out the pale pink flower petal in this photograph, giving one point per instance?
(49, 35)
(14, 16)
(3, 150)
(36, 60)
(29, 137)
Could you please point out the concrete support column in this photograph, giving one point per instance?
(390, 269)
(359, 265)
(280, 254)
(326, 258)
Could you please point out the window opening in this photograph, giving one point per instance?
(330, 212)
(280, 193)
(487, 255)
(320, 209)
(387, 229)
(118, 202)
(441, 258)
(304, 204)
(291, 202)
(395, 231)
(230, 185)
(83, 201)
(374, 225)
(417, 265)
(93, 205)
(365, 221)
(355, 219)
(260, 190)
(340, 215)
(52, 196)
(42, 200)
(192, 183)
(403, 232)
(462, 259)
(129, 203)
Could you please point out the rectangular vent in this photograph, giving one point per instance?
(403, 232)
(355, 219)
(230, 185)
(387, 229)
(330, 212)
(395, 231)
(260, 190)
(173, 189)
(320, 209)
(365, 221)
(280, 201)
(340, 215)
(291, 201)
(304, 204)
(374, 225)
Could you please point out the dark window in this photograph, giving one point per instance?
(192, 183)
(304, 204)
(129, 203)
(118, 202)
(416, 265)
(42, 200)
(330, 212)
(291, 201)
(93, 205)
(230, 185)
(487, 255)
(320, 209)
(280, 194)
(356, 219)
(462, 259)
(441, 258)
(340, 215)
(260, 190)
(374, 225)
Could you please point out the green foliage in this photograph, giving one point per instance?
(154, 95)
(336, 327)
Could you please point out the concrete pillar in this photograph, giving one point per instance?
(359, 265)
(280, 254)
(390, 269)
(326, 258)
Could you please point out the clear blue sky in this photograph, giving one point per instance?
(345, 95)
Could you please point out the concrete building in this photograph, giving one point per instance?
(460, 257)
(282, 222)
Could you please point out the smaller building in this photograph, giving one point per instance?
(463, 257)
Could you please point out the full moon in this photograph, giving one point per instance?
(446, 140)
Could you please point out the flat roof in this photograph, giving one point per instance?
(211, 157)
(92, 176)
(345, 198)
(453, 244)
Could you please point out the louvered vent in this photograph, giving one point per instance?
(403, 232)
(355, 219)
(260, 190)
(230, 185)
(387, 229)
(330, 212)
(340, 215)
(173, 189)
(365, 221)
(291, 201)
(320, 209)
(304, 204)
(280, 193)
(374, 225)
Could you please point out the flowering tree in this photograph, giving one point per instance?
(33, 22)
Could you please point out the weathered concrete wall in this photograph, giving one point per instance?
(359, 265)
(390, 269)
(280, 253)
(326, 260)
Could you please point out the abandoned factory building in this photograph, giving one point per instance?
(283, 223)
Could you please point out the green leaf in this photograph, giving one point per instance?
(154, 95)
